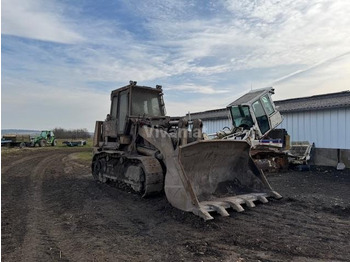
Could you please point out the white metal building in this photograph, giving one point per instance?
(321, 119)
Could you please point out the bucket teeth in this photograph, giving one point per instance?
(203, 213)
(249, 202)
(220, 209)
(263, 199)
(235, 202)
(276, 195)
(236, 206)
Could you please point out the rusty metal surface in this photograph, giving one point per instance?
(300, 152)
(270, 159)
(109, 128)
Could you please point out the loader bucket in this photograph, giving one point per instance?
(209, 175)
(217, 175)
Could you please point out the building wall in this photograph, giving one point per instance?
(213, 125)
(326, 128)
(330, 157)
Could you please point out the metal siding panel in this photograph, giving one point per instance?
(319, 117)
(213, 126)
(295, 133)
(341, 128)
(288, 123)
(321, 129)
(228, 123)
(313, 128)
(217, 126)
(205, 128)
(307, 127)
(285, 123)
(300, 126)
(210, 126)
(333, 137)
(326, 129)
(289, 126)
(347, 126)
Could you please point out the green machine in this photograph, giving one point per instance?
(45, 138)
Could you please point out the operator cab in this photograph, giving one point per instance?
(255, 109)
(133, 101)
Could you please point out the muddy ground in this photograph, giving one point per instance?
(52, 210)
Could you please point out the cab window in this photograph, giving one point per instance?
(261, 117)
(145, 103)
(241, 117)
(123, 111)
(114, 107)
(267, 104)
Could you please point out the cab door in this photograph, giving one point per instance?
(261, 117)
(273, 115)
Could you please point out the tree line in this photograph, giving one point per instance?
(72, 133)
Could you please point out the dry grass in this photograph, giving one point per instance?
(60, 146)
(84, 158)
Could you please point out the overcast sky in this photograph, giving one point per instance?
(61, 59)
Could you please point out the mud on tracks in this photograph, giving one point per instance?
(52, 210)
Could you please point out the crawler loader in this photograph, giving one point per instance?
(141, 149)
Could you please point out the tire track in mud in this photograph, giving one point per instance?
(34, 246)
(15, 177)
(15, 164)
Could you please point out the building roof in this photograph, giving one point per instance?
(310, 103)
(221, 113)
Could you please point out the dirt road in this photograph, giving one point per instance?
(52, 210)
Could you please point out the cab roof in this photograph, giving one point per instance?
(252, 96)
